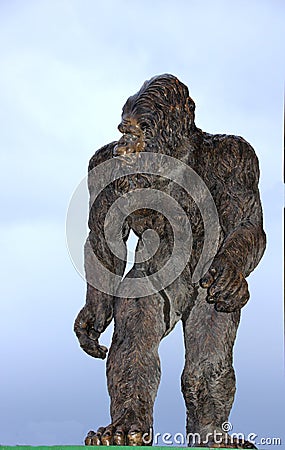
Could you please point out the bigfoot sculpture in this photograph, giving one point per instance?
(160, 119)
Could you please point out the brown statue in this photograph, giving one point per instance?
(159, 120)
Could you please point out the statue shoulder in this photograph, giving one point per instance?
(235, 146)
(232, 159)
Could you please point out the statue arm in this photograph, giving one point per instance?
(241, 220)
(97, 313)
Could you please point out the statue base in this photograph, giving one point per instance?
(82, 447)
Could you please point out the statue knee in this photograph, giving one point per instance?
(214, 372)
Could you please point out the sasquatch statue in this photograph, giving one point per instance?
(159, 119)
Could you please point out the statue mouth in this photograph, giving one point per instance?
(129, 144)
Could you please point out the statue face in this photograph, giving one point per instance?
(133, 139)
(160, 113)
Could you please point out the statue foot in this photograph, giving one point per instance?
(241, 443)
(118, 435)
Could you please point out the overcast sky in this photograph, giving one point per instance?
(67, 67)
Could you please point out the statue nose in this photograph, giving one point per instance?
(121, 128)
(125, 126)
(129, 126)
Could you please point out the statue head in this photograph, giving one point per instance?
(161, 113)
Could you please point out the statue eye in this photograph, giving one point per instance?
(143, 125)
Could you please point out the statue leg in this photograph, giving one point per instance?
(133, 370)
(208, 379)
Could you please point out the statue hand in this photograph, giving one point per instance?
(227, 287)
(87, 335)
